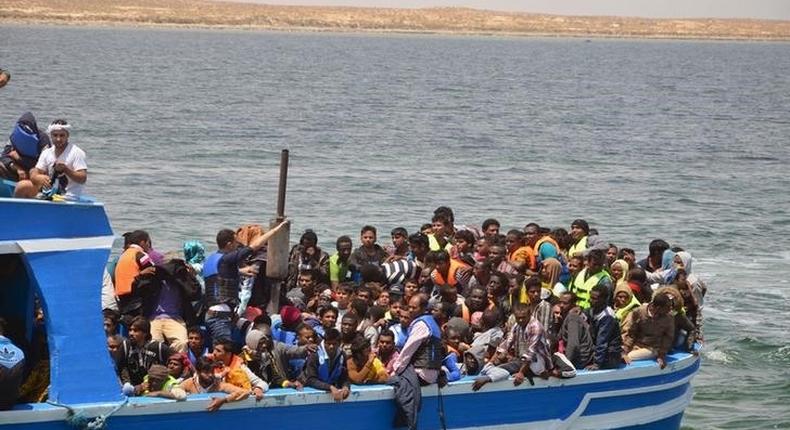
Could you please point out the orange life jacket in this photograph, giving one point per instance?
(438, 279)
(126, 270)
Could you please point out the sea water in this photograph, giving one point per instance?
(682, 140)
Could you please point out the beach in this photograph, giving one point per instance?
(248, 16)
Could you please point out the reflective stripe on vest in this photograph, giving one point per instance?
(582, 288)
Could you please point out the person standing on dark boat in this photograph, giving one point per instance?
(222, 294)
(61, 167)
(369, 252)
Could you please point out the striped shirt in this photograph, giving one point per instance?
(399, 271)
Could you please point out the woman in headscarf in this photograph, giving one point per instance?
(624, 301)
(195, 255)
(619, 271)
(550, 276)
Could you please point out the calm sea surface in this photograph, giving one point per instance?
(688, 141)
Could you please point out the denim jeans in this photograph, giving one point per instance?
(219, 327)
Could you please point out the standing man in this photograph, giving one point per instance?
(339, 270)
(223, 295)
(592, 275)
(61, 168)
(605, 331)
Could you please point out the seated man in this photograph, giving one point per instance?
(235, 371)
(270, 358)
(386, 351)
(25, 144)
(363, 365)
(204, 381)
(61, 168)
(159, 383)
(527, 345)
(138, 353)
(648, 331)
(605, 331)
(326, 369)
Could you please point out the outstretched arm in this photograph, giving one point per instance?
(261, 240)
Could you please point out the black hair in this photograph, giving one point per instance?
(419, 239)
(399, 231)
(205, 364)
(657, 247)
(440, 217)
(309, 235)
(137, 237)
(518, 233)
(376, 313)
(347, 288)
(426, 227)
(532, 281)
(440, 256)
(387, 333)
(491, 317)
(600, 289)
(369, 228)
(328, 309)
(224, 237)
(302, 326)
(596, 255)
(195, 329)
(446, 211)
(532, 224)
(312, 273)
(466, 236)
(360, 307)
(661, 300)
(581, 224)
(343, 239)
(490, 222)
(359, 344)
(226, 343)
(331, 335)
(142, 324)
(624, 251)
(637, 274)
(371, 273)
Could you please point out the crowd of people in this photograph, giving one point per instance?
(434, 306)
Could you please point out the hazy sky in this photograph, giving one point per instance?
(766, 9)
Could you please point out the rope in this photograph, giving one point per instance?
(441, 407)
(77, 419)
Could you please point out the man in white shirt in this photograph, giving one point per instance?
(61, 168)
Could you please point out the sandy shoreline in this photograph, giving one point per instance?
(205, 14)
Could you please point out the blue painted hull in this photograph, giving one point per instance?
(637, 397)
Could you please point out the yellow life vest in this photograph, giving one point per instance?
(582, 287)
(578, 247)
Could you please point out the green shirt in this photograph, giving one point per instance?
(337, 270)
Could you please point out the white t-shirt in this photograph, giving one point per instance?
(73, 157)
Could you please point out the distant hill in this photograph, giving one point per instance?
(204, 13)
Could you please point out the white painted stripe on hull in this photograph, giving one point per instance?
(57, 244)
(152, 406)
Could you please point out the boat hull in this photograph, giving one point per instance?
(640, 396)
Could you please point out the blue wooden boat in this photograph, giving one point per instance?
(62, 249)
